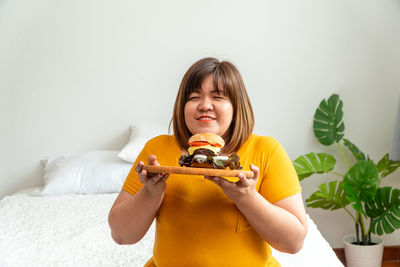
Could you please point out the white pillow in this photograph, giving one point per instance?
(139, 135)
(88, 173)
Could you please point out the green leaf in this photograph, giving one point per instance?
(330, 197)
(360, 183)
(354, 149)
(311, 163)
(386, 166)
(384, 210)
(328, 124)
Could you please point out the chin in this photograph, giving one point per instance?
(198, 130)
(206, 131)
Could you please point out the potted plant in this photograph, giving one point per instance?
(374, 209)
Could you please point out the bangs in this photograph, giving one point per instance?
(222, 82)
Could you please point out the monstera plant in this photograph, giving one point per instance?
(373, 208)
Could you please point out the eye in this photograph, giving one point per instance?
(218, 97)
(193, 98)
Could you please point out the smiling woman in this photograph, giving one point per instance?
(210, 221)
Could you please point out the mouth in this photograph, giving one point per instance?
(205, 118)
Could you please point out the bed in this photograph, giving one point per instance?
(64, 223)
(72, 230)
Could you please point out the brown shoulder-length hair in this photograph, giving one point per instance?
(228, 80)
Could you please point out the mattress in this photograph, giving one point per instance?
(72, 230)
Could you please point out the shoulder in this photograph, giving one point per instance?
(161, 141)
(264, 142)
(165, 148)
(259, 147)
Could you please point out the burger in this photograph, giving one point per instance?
(205, 152)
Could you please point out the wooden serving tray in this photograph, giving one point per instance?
(196, 171)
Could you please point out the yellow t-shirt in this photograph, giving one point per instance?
(197, 225)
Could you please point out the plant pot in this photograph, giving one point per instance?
(363, 256)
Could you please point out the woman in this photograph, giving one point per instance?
(209, 221)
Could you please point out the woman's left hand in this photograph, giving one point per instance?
(236, 191)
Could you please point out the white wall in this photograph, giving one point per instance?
(75, 74)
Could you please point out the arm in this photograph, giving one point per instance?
(282, 224)
(131, 215)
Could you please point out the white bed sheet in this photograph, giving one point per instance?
(72, 230)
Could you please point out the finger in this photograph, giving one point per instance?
(213, 179)
(255, 170)
(209, 177)
(243, 180)
(153, 160)
(156, 178)
(139, 167)
(220, 181)
(143, 176)
(147, 175)
(225, 184)
(165, 177)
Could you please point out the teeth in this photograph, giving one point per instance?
(206, 118)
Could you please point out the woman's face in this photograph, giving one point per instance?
(207, 110)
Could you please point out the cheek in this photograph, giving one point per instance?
(186, 111)
(227, 110)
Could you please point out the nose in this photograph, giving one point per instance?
(206, 104)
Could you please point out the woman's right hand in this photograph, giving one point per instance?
(154, 183)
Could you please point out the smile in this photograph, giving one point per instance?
(205, 118)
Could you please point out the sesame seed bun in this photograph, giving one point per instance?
(208, 137)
